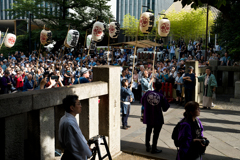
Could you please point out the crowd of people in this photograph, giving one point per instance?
(21, 72)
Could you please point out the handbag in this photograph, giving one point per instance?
(175, 86)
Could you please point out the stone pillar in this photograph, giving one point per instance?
(236, 77)
(15, 133)
(237, 90)
(89, 118)
(47, 135)
(109, 107)
(225, 81)
(196, 71)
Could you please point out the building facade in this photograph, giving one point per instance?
(133, 7)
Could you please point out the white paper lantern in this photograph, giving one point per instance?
(72, 38)
(10, 40)
(164, 27)
(88, 43)
(146, 22)
(98, 31)
(89, 37)
(114, 29)
(45, 37)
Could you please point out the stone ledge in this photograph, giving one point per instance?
(228, 68)
(12, 104)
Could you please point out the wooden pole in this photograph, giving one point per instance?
(135, 49)
(4, 38)
(91, 41)
(206, 33)
(85, 39)
(108, 45)
(153, 69)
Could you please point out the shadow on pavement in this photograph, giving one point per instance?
(218, 121)
(167, 154)
(221, 111)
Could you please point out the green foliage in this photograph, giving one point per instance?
(228, 32)
(189, 24)
(20, 45)
(58, 19)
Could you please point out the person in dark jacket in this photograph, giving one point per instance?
(6, 83)
(190, 135)
(154, 102)
(126, 99)
(29, 84)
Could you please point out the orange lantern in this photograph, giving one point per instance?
(164, 27)
(146, 22)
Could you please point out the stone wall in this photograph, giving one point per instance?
(226, 77)
(29, 120)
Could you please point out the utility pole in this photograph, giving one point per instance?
(30, 46)
(206, 32)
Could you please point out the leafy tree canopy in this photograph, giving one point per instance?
(57, 15)
(228, 32)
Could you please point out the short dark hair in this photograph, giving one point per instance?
(124, 81)
(190, 107)
(158, 84)
(209, 68)
(70, 100)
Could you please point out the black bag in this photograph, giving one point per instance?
(175, 134)
(175, 86)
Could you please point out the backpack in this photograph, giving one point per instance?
(176, 132)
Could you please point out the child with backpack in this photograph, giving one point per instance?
(188, 134)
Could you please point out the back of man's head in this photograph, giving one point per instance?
(158, 85)
(70, 100)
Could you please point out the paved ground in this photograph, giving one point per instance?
(222, 128)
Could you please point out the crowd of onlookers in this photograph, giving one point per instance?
(24, 72)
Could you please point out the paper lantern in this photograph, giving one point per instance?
(72, 38)
(10, 40)
(107, 54)
(114, 29)
(164, 27)
(98, 31)
(45, 37)
(89, 37)
(93, 44)
(146, 22)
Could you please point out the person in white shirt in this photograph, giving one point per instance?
(172, 51)
(217, 47)
(70, 136)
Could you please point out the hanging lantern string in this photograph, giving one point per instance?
(4, 38)
(91, 41)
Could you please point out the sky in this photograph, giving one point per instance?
(113, 5)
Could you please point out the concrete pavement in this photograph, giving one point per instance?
(221, 127)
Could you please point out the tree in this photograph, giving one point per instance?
(189, 24)
(222, 5)
(228, 32)
(56, 15)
